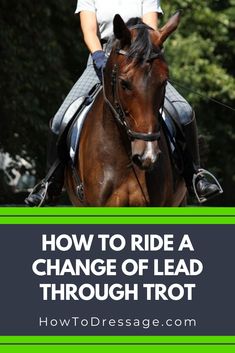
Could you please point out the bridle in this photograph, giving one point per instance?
(117, 108)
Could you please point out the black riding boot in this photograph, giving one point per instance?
(49, 189)
(196, 179)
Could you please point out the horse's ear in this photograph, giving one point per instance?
(121, 31)
(170, 26)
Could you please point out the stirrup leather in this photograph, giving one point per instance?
(203, 172)
(40, 185)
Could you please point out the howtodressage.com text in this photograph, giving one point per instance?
(94, 321)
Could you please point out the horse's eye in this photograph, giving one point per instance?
(126, 85)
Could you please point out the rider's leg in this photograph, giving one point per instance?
(204, 187)
(81, 88)
(48, 190)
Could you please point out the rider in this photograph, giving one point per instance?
(96, 18)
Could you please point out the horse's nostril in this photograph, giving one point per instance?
(137, 159)
(146, 162)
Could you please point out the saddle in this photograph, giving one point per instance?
(69, 127)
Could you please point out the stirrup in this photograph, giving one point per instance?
(203, 172)
(40, 185)
(80, 191)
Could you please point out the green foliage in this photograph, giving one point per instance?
(201, 59)
(42, 54)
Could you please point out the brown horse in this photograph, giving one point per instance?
(123, 157)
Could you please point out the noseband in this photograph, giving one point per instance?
(117, 109)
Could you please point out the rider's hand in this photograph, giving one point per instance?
(99, 60)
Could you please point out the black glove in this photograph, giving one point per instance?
(99, 60)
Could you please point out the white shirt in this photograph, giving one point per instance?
(105, 11)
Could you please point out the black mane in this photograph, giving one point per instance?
(141, 47)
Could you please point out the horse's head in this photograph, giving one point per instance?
(139, 75)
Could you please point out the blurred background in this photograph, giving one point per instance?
(42, 54)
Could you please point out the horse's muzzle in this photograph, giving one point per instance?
(145, 163)
(145, 155)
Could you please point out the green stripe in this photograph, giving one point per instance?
(116, 220)
(116, 349)
(70, 215)
(168, 344)
(212, 340)
(119, 211)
